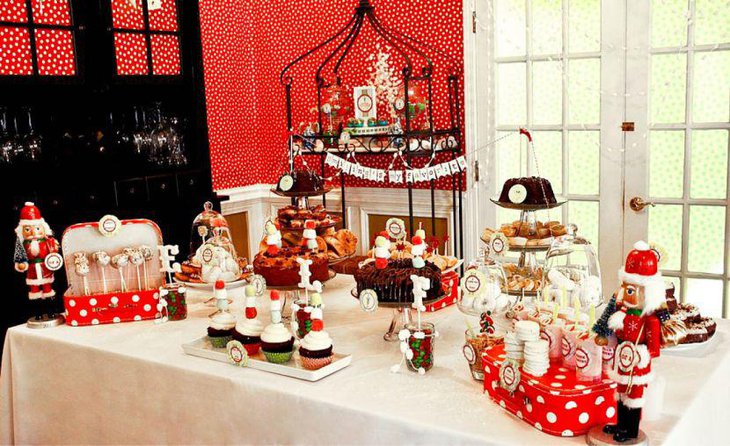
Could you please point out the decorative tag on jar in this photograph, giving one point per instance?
(498, 244)
(368, 300)
(473, 282)
(470, 354)
(509, 376)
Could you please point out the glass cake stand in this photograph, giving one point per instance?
(402, 315)
(528, 258)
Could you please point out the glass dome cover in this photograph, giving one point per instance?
(481, 293)
(572, 272)
(204, 225)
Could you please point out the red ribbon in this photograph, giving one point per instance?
(526, 133)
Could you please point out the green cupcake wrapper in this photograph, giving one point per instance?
(278, 358)
(220, 341)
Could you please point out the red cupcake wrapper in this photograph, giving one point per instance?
(316, 363)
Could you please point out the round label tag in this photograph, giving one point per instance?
(259, 284)
(368, 300)
(53, 261)
(237, 354)
(498, 243)
(396, 228)
(399, 104)
(473, 282)
(470, 354)
(509, 376)
(582, 359)
(567, 348)
(207, 254)
(546, 336)
(517, 193)
(109, 225)
(608, 354)
(627, 356)
(286, 182)
(365, 103)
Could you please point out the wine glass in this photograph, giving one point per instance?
(32, 140)
(7, 148)
(160, 137)
(139, 135)
(177, 154)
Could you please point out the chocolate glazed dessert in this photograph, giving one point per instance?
(304, 181)
(539, 190)
(393, 284)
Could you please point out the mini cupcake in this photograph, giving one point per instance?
(277, 342)
(315, 350)
(220, 330)
(248, 331)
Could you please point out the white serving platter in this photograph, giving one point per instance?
(695, 350)
(202, 347)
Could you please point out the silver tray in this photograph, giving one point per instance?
(530, 207)
(202, 348)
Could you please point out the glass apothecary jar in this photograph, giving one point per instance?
(572, 272)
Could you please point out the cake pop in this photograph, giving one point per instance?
(137, 259)
(119, 262)
(102, 259)
(382, 250)
(147, 254)
(418, 249)
(81, 264)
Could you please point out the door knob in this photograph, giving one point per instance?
(637, 204)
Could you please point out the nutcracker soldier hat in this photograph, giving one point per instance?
(31, 215)
(642, 269)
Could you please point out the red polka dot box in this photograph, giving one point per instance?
(555, 403)
(113, 271)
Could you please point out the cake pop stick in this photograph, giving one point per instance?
(137, 259)
(304, 275)
(81, 263)
(147, 254)
(420, 285)
(102, 259)
(119, 262)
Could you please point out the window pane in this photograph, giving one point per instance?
(712, 87)
(15, 58)
(667, 90)
(665, 229)
(547, 27)
(666, 164)
(510, 28)
(711, 21)
(709, 164)
(549, 148)
(584, 214)
(51, 12)
(706, 239)
(669, 23)
(584, 96)
(127, 14)
(14, 11)
(707, 295)
(511, 94)
(584, 26)
(547, 93)
(56, 56)
(583, 162)
(165, 55)
(510, 154)
(164, 17)
(131, 54)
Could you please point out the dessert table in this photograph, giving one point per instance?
(132, 383)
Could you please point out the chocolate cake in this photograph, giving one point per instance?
(302, 180)
(538, 191)
(282, 269)
(394, 284)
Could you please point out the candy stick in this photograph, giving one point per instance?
(120, 261)
(556, 309)
(469, 327)
(576, 309)
(147, 254)
(420, 285)
(81, 262)
(102, 259)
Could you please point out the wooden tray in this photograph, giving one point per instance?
(202, 348)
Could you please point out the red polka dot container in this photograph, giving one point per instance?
(120, 280)
(555, 403)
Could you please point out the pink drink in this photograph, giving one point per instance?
(568, 345)
(588, 360)
(553, 333)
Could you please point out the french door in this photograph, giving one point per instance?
(574, 72)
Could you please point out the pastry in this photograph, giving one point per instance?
(527, 190)
(248, 331)
(220, 329)
(277, 342)
(315, 350)
(558, 230)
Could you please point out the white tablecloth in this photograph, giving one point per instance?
(132, 383)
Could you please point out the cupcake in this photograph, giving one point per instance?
(277, 342)
(315, 351)
(248, 331)
(220, 330)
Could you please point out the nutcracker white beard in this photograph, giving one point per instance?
(34, 247)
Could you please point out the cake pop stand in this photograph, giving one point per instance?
(528, 256)
(402, 315)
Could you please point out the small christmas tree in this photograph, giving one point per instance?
(20, 256)
(600, 328)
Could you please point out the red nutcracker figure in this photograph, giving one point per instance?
(36, 255)
(638, 331)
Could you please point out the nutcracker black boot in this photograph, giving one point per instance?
(628, 427)
(620, 415)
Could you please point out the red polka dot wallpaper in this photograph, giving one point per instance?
(245, 47)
